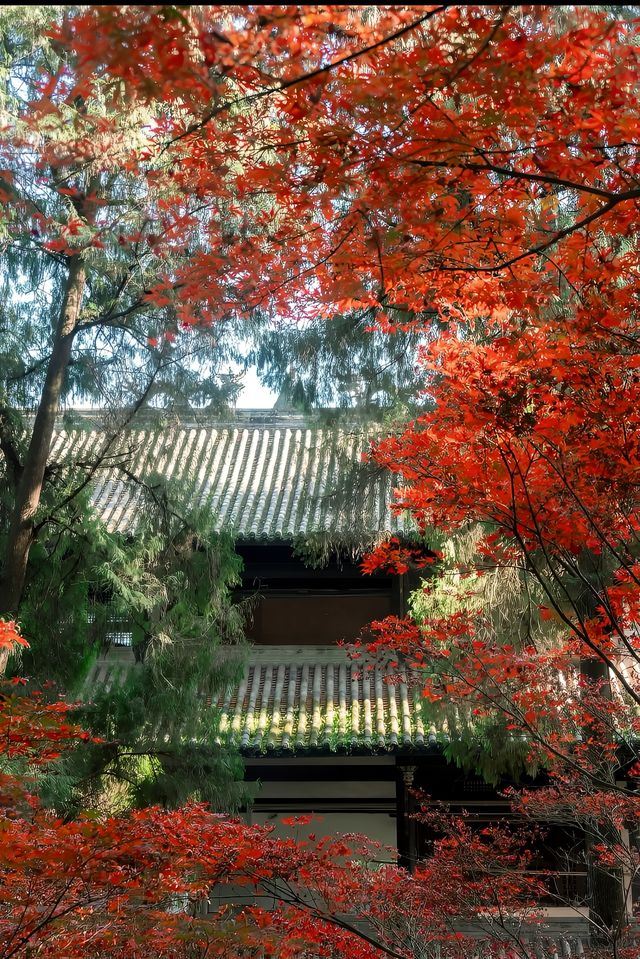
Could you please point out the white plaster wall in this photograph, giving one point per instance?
(377, 826)
(312, 789)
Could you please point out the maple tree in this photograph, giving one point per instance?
(191, 883)
(511, 125)
(494, 180)
(275, 136)
(479, 162)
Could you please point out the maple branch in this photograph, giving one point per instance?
(504, 10)
(587, 513)
(296, 81)
(376, 240)
(509, 709)
(500, 19)
(308, 269)
(582, 633)
(510, 174)
(580, 629)
(330, 917)
(51, 916)
(564, 276)
(601, 598)
(547, 244)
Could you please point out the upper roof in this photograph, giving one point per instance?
(263, 475)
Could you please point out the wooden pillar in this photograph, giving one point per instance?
(407, 832)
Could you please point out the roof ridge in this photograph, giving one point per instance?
(189, 418)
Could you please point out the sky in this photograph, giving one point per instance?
(254, 395)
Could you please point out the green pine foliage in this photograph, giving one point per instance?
(342, 363)
(57, 616)
(113, 362)
(169, 588)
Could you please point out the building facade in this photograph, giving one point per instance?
(319, 734)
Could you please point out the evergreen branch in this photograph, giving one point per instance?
(159, 501)
(56, 467)
(111, 438)
(28, 371)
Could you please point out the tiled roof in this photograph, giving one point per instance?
(314, 698)
(262, 475)
(311, 699)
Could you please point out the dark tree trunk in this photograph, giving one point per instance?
(605, 886)
(29, 488)
(606, 890)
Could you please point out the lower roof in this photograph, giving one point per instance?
(308, 700)
(314, 699)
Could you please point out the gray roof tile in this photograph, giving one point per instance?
(273, 477)
(294, 699)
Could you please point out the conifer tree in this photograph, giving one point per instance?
(83, 244)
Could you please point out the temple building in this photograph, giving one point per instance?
(319, 735)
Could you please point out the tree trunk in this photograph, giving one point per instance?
(606, 889)
(605, 886)
(21, 527)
